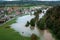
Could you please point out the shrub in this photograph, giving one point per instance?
(33, 37)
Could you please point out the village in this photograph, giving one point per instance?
(7, 13)
(11, 12)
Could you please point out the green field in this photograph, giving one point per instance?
(6, 33)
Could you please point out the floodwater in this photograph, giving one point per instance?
(19, 26)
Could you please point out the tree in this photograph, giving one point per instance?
(32, 22)
(41, 24)
(27, 24)
(37, 14)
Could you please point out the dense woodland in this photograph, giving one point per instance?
(51, 21)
